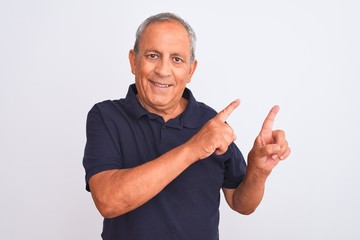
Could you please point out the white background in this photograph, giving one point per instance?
(58, 58)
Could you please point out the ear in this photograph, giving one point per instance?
(132, 60)
(192, 69)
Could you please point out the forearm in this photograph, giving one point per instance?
(249, 193)
(116, 192)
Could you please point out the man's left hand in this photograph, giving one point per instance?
(270, 146)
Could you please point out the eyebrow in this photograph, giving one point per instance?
(172, 54)
(155, 51)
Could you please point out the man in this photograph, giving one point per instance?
(156, 160)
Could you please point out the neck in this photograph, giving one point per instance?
(168, 112)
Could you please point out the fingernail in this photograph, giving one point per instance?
(274, 157)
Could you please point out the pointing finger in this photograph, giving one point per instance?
(269, 121)
(225, 113)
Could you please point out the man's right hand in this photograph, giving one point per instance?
(216, 135)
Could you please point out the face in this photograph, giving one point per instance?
(162, 67)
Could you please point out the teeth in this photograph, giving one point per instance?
(161, 85)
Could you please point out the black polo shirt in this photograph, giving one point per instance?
(122, 134)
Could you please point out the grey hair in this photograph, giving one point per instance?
(166, 17)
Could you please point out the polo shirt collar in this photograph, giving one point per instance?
(132, 105)
(189, 118)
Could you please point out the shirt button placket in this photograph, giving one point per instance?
(163, 134)
(163, 139)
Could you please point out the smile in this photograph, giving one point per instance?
(161, 85)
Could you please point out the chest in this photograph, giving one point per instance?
(140, 142)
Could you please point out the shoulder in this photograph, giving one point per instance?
(107, 104)
(198, 108)
(206, 108)
(106, 108)
(205, 111)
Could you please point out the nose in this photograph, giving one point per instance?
(163, 67)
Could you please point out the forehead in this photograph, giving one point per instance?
(165, 34)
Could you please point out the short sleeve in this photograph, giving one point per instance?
(235, 168)
(100, 152)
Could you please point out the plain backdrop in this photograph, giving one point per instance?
(59, 58)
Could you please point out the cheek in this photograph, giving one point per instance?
(145, 69)
(183, 76)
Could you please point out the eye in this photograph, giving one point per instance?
(177, 60)
(152, 56)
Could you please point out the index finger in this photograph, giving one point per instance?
(269, 120)
(226, 112)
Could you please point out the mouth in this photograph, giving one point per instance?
(160, 85)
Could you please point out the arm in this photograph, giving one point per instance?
(269, 148)
(116, 192)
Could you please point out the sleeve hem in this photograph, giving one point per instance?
(99, 169)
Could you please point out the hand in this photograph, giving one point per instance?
(215, 135)
(270, 146)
